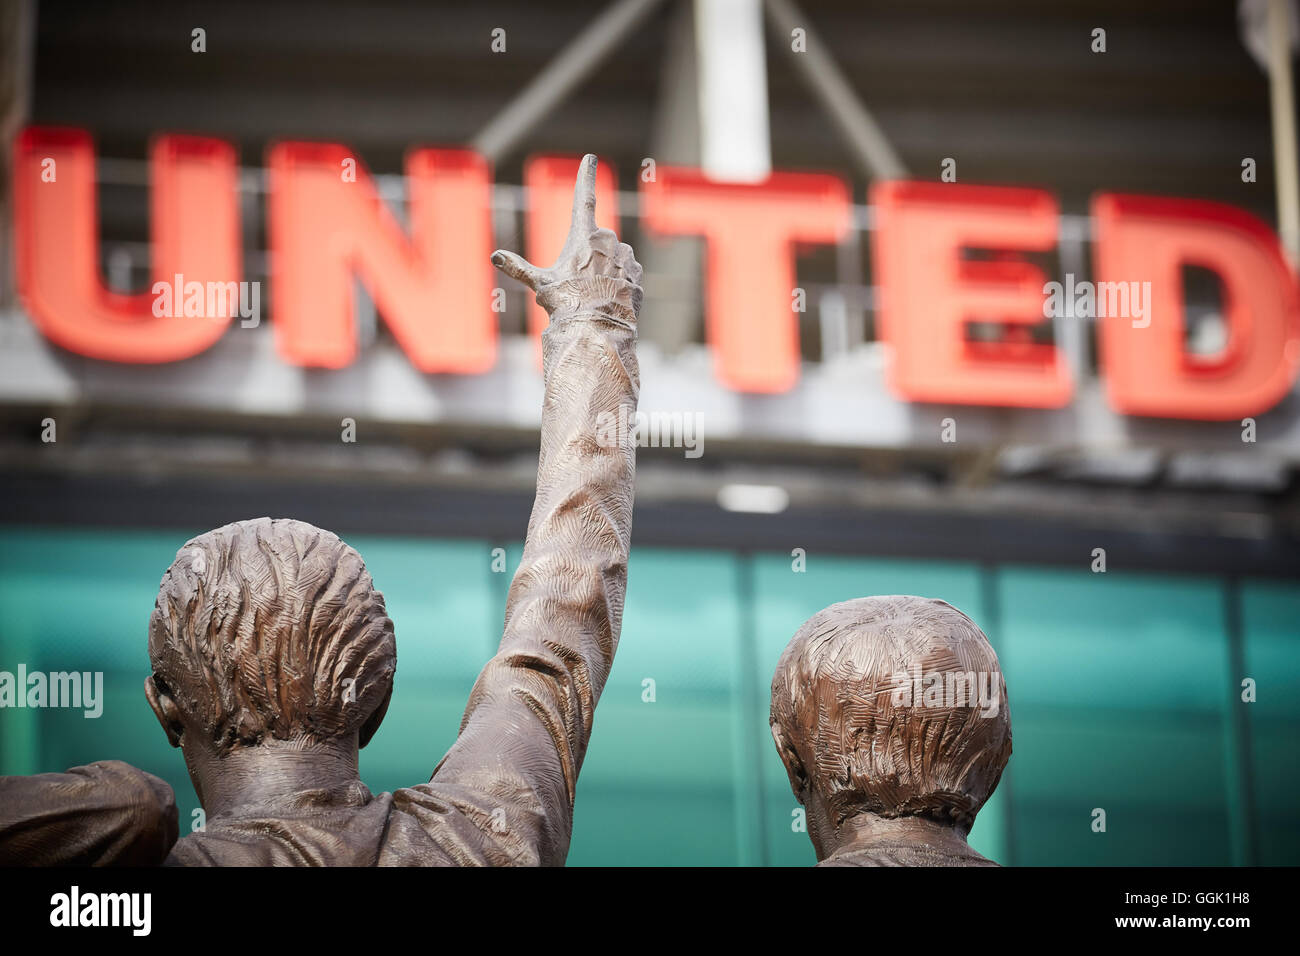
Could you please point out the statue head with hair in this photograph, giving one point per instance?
(890, 715)
(268, 634)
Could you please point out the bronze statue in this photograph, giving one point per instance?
(890, 715)
(273, 657)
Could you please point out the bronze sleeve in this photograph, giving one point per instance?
(529, 717)
(103, 814)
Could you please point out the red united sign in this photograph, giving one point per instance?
(433, 282)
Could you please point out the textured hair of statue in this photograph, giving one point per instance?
(272, 628)
(845, 722)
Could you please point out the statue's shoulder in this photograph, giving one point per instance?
(304, 831)
(444, 824)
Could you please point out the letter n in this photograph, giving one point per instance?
(433, 289)
(194, 222)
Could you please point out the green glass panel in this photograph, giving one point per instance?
(1118, 687)
(1271, 622)
(668, 781)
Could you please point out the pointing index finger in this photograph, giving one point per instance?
(584, 195)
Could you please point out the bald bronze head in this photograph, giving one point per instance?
(886, 709)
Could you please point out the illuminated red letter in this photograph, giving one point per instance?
(549, 184)
(194, 219)
(928, 293)
(750, 231)
(1147, 369)
(328, 223)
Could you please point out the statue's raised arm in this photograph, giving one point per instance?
(529, 717)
